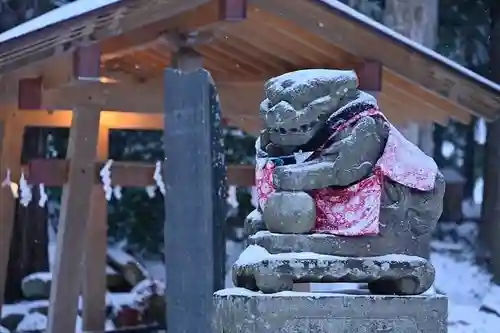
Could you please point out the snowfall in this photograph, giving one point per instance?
(474, 302)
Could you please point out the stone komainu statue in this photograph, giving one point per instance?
(329, 162)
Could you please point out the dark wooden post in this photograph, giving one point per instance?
(195, 207)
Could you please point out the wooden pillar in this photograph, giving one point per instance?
(11, 144)
(94, 276)
(74, 214)
(195, 207)
(75, 201)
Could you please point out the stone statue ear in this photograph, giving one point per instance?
(264, 108)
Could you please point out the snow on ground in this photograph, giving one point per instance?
(467, 287)
(474, 303)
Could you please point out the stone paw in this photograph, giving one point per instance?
(272, 283)
(402, 286)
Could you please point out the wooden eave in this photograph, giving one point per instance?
(97, 25)
(424, 69)
(265, 45)
(276, 37)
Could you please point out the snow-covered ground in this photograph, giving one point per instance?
(474, 302)
(472, 297)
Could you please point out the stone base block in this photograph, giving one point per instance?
(258, 270)
(241, 311)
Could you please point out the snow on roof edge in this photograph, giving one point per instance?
(63, 13)
(345, 9)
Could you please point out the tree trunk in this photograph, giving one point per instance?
(29, 246)
(490, 226)
(417, 20)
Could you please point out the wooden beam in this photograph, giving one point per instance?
(96, 244)
(125, 174)
(239, 105)
(75, 201)
(109, 119)
(237, 98)
(239, 101)
(11, 144)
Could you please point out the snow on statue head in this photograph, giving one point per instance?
(297, 104)
(328, 161)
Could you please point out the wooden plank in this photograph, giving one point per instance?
(262, 54)
(299, 38)
(74, 214)
(11, 144)
(96, 244)
(125, 174)
(195, 205)
(277, 45)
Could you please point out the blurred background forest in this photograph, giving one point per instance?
(465, 31)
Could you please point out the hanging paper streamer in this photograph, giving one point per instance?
(25, 191)
(232, 199)
(117, 192)
(105, 174)
(151, 191)
(159, 178)
(7, 182)
(43, 195)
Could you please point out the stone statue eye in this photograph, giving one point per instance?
(304, 128)
(293, 130)
(282, 130)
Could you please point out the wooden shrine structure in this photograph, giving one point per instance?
(94, 66)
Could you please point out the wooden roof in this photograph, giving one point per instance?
(277, 36)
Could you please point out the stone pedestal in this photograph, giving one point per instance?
(241, 311)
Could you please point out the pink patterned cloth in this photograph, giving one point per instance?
(354, 211)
